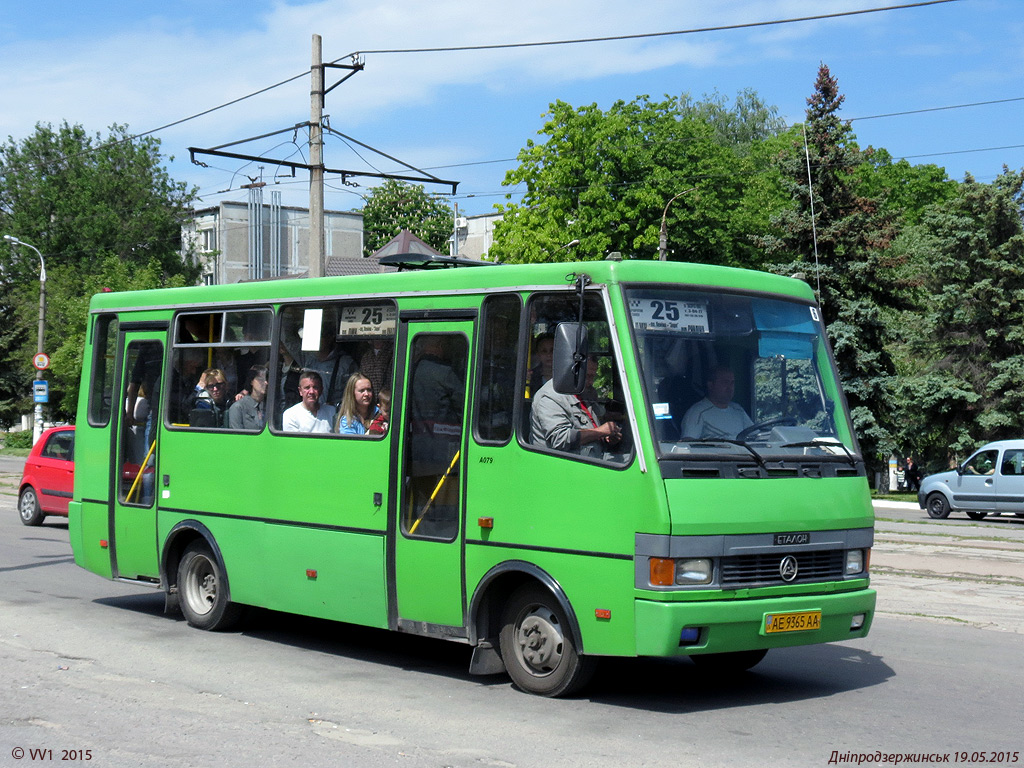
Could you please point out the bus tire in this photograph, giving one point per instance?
(202, 590)
(732, 662)
(937, 506)
(28, 507)
(537, 647)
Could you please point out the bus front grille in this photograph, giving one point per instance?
(751, 570)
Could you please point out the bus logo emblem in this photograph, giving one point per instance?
(788, 568)
(788, 539)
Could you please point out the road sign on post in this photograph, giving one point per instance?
(41, 391)
(41, 361)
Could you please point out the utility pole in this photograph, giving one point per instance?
(316, 162)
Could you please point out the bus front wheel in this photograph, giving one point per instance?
(537, 647)
(202, 590)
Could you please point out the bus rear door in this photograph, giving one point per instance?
(134, 449)
(427, 524)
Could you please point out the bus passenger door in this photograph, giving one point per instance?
(427, 524)
(133, 471)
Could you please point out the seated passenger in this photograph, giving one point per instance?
(357, 409)
(248, 411)
(309, 414)
(210, 399)
(716, 416)
(379, 425)
(571, 423)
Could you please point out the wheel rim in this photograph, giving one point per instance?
(201, 585)
(935, 507)
(27, 507)
(539, 641)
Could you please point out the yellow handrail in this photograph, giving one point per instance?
(437, 489)
(138, 476)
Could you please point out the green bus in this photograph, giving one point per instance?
(615, 458)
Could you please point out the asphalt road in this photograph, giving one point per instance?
(89, 664)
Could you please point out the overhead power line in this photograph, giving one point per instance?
(577, 41)
(938, 109)
(646, 35)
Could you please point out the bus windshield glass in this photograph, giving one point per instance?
(738, 374)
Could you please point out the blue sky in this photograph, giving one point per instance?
(467, 114)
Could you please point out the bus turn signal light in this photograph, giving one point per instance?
(485, 522)
(663, 572)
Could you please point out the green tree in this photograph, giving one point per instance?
(968, 338)
(842, 249)
(605, 177)
(397, 205)
(904, 190)
(104, 213)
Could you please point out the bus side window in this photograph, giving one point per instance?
(335, 340)
(213, 355)
(496, 389)
(593, 425)
(101, 395)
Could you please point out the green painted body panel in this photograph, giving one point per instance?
(738, 625)
(326, 482)
(712, 506)
(328, 574)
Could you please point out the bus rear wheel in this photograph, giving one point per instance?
(537, 647)
(202, 590)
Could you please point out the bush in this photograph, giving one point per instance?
(21, 439)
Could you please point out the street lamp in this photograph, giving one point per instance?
(37, 427)
(663, 237)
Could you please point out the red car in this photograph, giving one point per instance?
(49, 476)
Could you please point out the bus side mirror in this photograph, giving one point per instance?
(569, 364)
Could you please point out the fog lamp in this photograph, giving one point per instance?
(857, 622)
(689, 635)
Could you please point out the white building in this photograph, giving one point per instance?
(475, 235)
(231, 250)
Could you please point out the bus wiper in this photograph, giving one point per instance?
(818, 442)
(740, 443)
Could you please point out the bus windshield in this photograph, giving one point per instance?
(738, 374)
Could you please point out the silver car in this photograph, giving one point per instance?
(990, 482)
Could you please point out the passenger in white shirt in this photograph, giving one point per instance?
(716, 416)
(309, 414)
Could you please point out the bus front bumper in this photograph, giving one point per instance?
(687, 628)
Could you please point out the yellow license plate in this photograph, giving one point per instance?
(792, 622)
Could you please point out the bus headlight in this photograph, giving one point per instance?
(694, 570)
(668, 572)
(854, 561)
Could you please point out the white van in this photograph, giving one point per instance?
(990, 482)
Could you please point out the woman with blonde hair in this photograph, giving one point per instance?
(357, 409)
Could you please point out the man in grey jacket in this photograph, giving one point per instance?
(573, 423)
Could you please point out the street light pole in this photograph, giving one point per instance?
(663, 237)
(37, 427)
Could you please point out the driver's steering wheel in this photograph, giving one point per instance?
(764, 426)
